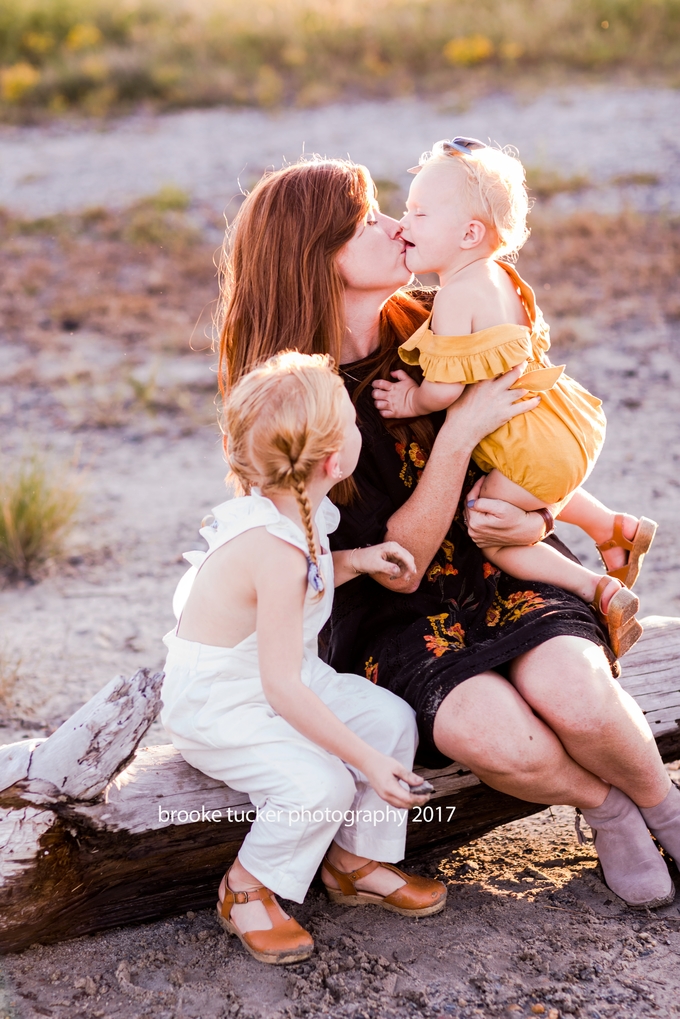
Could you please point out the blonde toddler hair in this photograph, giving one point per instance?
(495, 189)
(281, 421)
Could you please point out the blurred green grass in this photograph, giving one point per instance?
(96, 57)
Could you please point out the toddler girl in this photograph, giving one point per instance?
(467, 208)
(247, 700)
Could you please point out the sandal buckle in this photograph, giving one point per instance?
(240, 898)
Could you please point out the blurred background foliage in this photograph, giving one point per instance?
(97, 57)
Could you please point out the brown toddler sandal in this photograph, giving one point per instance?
(285, 942)
(420, 896)
(622, 626)
(637, 548)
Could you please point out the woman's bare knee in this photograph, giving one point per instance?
(568, 683)
(485, 724)
(568, 674)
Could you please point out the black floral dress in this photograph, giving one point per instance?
(466, 617)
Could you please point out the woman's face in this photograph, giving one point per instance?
(374, 258)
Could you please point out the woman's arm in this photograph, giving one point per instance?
(421, 524)
(281, 584)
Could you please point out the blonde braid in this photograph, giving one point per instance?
(305, 507)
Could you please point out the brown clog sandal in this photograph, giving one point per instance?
(637, 548)
(285, 942)
(622, 626)
(420, 896)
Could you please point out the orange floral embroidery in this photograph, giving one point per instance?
(510, 609)
(417, 457)
(371, 670)
(489, 570)
(436, 645)
(404, 472)
(437, 570)
(447, 568)
(443, 637)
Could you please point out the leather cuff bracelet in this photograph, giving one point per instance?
(549, 521)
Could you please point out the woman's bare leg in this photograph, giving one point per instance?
(568, 683)
(485, 724)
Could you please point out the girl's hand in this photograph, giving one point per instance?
(485, 406)
(493, 522)
(384, 773)
(389, 560)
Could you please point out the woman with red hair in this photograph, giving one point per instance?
(516, 680)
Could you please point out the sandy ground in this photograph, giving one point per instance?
(528, 930)
(527, 924)
(600, 133)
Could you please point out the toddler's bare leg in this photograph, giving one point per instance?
(548, 566)
(497, 486)
(585, 511)
(538, 562)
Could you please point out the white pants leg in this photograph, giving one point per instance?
(310, 790)
(387, 723)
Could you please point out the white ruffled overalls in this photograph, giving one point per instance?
(216, 714)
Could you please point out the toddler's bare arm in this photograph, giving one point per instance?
(406, 399)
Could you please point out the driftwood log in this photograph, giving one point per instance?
(89, 840)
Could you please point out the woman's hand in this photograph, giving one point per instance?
(492, 522)
(384, 773)
(485, 406)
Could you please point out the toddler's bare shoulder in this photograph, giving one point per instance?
(453, 310)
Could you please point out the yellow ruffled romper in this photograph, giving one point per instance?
(551, 450)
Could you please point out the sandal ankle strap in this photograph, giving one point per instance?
(602, 585)
(231, 898)
(347, 879)
(618, 539)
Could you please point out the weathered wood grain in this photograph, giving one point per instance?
(88, 838)
(81, 757)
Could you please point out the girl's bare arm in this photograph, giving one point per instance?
(388, 560)
(281, 583)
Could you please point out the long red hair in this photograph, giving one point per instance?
(280, 286)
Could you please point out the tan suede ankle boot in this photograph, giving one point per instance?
(633, 867)
(663, 821)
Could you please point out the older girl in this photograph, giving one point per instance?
(246, 697)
